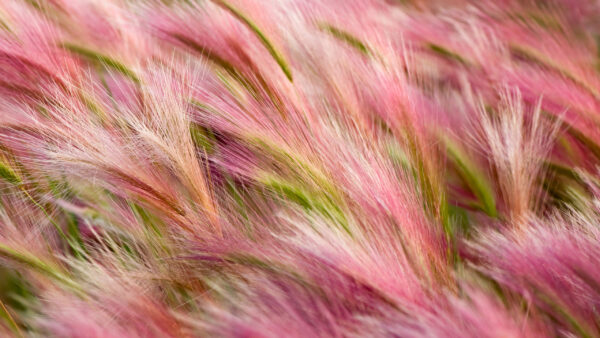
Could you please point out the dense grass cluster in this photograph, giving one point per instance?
(299, 168)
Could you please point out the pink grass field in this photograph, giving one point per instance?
(299, 168)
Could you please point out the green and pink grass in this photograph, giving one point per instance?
(299, 168)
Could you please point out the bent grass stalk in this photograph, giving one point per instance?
(5, 313)
(261, 36)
